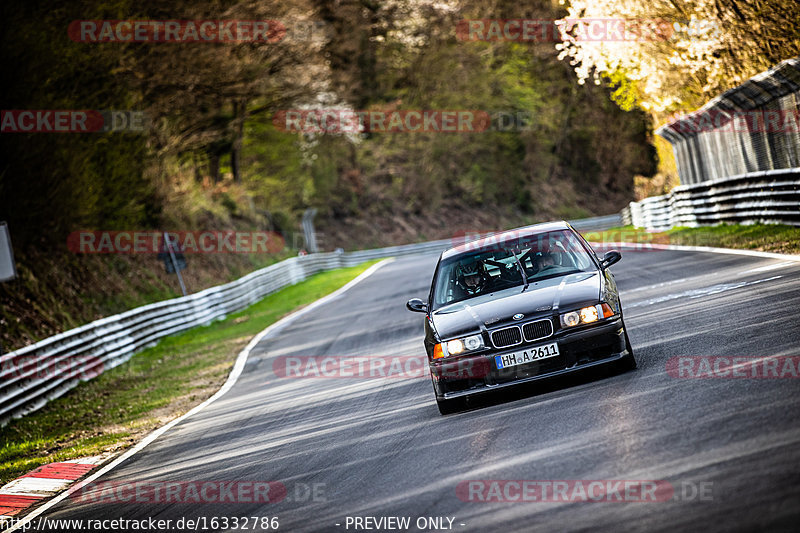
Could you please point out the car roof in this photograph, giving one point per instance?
(491, 239)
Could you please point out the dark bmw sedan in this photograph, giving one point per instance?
(520, 306)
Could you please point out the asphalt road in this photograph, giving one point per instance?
(377, 447)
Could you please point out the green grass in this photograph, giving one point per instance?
(120, 406)
(763, 237)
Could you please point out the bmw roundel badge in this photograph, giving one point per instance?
(518, 316)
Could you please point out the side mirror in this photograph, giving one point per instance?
(416, 305)
(611, 257)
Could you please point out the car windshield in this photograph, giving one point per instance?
(493, 266)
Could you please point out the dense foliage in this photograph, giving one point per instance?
(210, 109)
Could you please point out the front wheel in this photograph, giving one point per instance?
(629, 361)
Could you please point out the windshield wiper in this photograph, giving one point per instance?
(522, 271)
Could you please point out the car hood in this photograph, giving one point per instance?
(542, 299)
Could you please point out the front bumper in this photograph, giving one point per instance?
(584, 348)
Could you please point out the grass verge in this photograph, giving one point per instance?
(122, 405)
(763, 237)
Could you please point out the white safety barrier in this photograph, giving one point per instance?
(768, 197)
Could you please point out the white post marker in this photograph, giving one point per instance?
(8, 270)
(170, 247)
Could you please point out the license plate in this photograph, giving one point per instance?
(529, 355)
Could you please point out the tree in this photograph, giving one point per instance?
(688, 51)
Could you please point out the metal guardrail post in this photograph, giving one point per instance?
(8, 268)
(308, 230)
(170, 249)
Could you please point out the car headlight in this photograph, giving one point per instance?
(589, 314)
(586, 315)
(458, 346)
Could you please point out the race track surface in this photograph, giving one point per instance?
(377, 447)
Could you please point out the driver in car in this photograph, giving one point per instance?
(472, 279)
(545, 260)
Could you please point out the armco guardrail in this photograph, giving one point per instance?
(36, 374)
(597, 223)
(749, 128)
(769, 197)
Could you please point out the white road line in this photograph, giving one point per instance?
(701, 292)
(667, 283)
(708, 249)
(238, 366)
(765, 268)
(92, 460)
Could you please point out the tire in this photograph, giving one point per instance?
(629, 361)
(448, 407)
